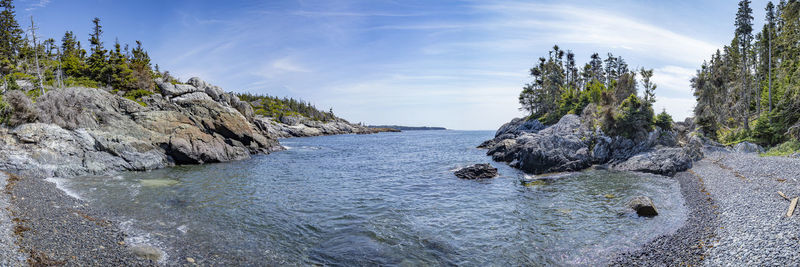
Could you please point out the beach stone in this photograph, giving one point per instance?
(147, 252)
(477, 171)
(643, 206)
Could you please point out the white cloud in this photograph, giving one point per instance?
(37, 5)
(676, 80)
(287, 64)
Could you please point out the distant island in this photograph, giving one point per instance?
(407, 128)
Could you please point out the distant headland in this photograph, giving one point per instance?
(407, 128)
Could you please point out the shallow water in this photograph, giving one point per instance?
(383, 199)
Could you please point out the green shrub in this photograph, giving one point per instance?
(664, 121)
(5, 111)
(633, 118)
(784, 149)
(733, 136)
(137, 94)
(766, 133)
(82, 82)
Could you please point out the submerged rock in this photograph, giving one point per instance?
(477, 171)
(147, 252)
(643, 206)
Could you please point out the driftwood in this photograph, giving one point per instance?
(784, 196)
(791, 207)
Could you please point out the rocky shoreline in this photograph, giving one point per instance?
(573, 144)
(87, 131)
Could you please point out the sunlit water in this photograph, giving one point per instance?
(384, 199)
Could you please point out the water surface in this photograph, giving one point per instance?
(383, 199)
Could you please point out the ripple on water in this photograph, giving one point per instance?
(383, 200)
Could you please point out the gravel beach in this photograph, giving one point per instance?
(52, 228)
(736, 216)
(688, 244)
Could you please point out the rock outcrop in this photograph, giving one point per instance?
(643, 206)
(83, 131)
(747, 147)
(293, 126)
(477, 171)
(570, 145)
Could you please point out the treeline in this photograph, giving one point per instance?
(750, 90)
(48, 64)
(604, 91)
(29, 67)
(270, 106)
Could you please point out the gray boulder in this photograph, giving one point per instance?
(561, 147)
(518, 126)
(169, 89)
(643, 206)
(192, 96)
(215, 92)
(664, 161)
(477, 171)
(747, 147)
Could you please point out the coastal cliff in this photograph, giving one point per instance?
(88, 131)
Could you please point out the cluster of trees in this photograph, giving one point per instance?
(270, 106)
(750, 89)
(46, 64)
(604, 90)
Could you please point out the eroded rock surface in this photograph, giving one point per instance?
(571, 145)
(84, 131)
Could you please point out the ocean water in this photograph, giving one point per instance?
(383, 199)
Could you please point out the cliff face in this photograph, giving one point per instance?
(83, 131)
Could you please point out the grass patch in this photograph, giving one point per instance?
(784, 149)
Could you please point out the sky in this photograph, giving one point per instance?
(455, 64)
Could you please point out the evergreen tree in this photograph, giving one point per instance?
(770, 31)
(72, 56)
(744, 34)
(10, 35)
(648, 85)
(140, 64)
(98, 67)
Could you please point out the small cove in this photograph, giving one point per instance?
(384, 199)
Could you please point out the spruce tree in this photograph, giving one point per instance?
(10, 34)
(98, 67)
(744, 34)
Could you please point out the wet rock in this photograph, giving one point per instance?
(147, 252)
(747, 147)
(477, 171)
(664, 161)
(643, 206)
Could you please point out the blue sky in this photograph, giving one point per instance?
(457, 64)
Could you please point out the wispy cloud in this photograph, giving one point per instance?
(37, 5)
(308, 13)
